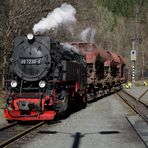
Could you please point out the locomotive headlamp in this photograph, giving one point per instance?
(30, 36)
(13, 83)
(42, 84)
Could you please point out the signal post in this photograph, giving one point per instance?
(133, 61)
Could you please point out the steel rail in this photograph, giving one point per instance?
(138, 106)
(137, 99)
(141, 109)
(18, 136)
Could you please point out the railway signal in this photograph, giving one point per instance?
(133, 61)
(133, 55)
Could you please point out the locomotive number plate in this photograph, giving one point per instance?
(30, 61)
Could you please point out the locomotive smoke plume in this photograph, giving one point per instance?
(64, 15)
(88, 35)
(68, 46)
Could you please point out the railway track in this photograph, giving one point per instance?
(140, 121)
(138, 106)
(13, 132)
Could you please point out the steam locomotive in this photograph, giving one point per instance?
(46, 76)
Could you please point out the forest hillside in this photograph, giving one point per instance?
(111, 24)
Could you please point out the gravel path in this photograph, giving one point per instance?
(102, 124)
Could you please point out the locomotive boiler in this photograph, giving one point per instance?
(45, 76)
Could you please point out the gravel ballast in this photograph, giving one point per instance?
(102, 124)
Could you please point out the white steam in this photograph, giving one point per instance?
(70, 47)
(88, 35)
(64, 15)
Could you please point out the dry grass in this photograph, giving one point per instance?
(2, 100)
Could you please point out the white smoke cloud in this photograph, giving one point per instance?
(70, 47)
(88, 35)
(59, 16)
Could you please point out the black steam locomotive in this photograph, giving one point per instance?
(47, 76)
(44, 77)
